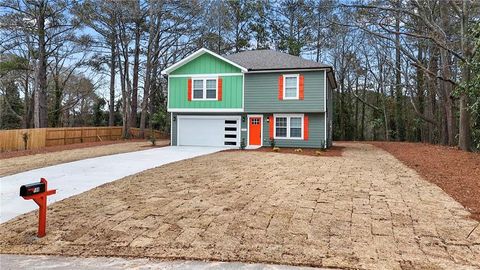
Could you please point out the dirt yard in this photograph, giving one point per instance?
(363, 210)
(67, 153)
(456, 172)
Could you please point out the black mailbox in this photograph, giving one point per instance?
(32, 189)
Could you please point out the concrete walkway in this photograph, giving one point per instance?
(76, 177)
(13, 262)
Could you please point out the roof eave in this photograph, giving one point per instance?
(287, 69)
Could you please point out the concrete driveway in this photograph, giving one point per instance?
(76, 177)
(14, 262)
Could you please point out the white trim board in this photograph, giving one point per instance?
(168, 93)
(243, 91)
(206, 110)
(238, 118)
(261, 128)
(197, 54)
(204, 88)
(286, 70)
(205, 75)
(288, 116)
(171, 129)
(297, 96)
(325, 106)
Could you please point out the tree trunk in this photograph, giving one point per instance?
(57, 100)
(400, 124)
(432, 94)
(136, 65)
(27, 102)
(122, 50)
(355, 130)
(464, 136)
(148, 69)
(385, 116)
(446, 89)
(40, 114)
(422, 130)
(111, 105)
(362, 129)
(125, 98)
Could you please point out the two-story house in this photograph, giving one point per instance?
(252, 96)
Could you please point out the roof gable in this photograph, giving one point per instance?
(204, 61)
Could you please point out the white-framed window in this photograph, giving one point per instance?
(288, 126)
(291, 86)
(204, 88)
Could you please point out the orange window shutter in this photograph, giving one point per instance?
(305, 128)
(219, 89)
(189, 86)
(271, 126)
(280, 87)
(300, 86)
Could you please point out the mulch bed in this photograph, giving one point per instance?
(334, 151)
(456, 172)
(19, 153)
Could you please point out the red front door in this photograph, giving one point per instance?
(255, 131)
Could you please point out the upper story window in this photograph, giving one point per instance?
(289, 126)
(290, 86)
(204, 89)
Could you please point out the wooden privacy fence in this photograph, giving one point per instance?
(63, 136)
(14, 139)
(19, 139)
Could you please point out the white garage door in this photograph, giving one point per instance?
(208, 130)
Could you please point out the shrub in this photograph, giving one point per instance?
(243, 144)
(272, 142)
(152, 139)
(25, 140)
(323, 145)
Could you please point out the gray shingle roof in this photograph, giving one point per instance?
(270, 59)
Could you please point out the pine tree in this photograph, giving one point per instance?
(11, 107)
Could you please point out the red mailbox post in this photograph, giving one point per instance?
(38, 192)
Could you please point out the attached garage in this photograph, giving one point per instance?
(199, 130)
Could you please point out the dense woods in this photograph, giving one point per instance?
(406, 70)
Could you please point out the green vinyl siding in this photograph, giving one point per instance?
(232, 97)
(261, 93)
(205, 64)
(316, 133)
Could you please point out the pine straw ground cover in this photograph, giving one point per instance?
(20, 161)
(456, 172)
(363, 210)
